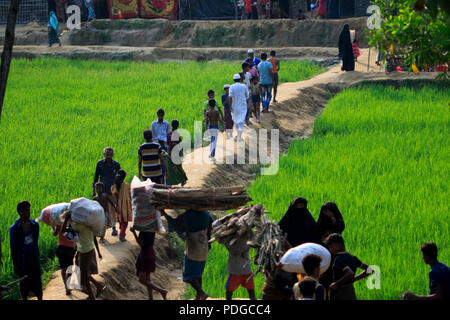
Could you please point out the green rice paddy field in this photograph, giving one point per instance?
(60, 114)
(383, 156)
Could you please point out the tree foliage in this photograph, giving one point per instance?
(414, 31)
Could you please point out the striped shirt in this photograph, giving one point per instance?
(149, 153)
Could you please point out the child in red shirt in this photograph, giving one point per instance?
(356, 53)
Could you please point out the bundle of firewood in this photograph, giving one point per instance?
(221, 198)
(267, 237)
(271, 245)
(230, 228)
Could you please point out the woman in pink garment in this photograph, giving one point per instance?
(322, 11)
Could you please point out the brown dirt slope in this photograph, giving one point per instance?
(158, 54)
(117, 270)
(180, 34)
(299, 105)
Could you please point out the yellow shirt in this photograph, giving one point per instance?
(86, 236)
(124, 207)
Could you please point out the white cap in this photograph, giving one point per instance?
(226, 86)
(237, 76)
(250, 51)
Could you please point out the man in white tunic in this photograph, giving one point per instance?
(239, 103)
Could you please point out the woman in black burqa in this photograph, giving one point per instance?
(330, 220)
(346, 50)
(299, 224)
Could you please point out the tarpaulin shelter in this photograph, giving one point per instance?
(336, 8)
(207, 10)
(151, 9)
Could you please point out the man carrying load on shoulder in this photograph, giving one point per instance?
(85, 258)
(194, 227)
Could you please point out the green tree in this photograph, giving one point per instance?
(420, 34)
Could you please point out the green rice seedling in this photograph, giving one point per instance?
(59, 114)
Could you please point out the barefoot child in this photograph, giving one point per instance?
(66, 253)
(311, 265)
(306, 289)
(239, 268)
(255, 90)
(105, 201)
(145, 263)
(355, 48)
(344, 268)
(212, 123)
(227, 111)
(176, 172)
(211, 95)
(121, 192)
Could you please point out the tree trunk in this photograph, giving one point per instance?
(7, 49)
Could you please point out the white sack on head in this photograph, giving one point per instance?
(50, 215)
(292, 259)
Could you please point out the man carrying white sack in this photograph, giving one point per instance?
(85, 258)
(239, 103)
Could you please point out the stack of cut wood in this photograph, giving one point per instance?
(267, 237)
(230, 228)
(222, 198)
(271, 246)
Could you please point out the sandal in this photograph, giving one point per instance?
(99, 292)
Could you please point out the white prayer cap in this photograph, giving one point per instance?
(237, 76)
(226, 86)
(250, 51)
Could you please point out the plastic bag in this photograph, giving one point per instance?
(292, 259)
(161, 228)
(89, 213)
(73, 277)
(51, 215)
(145, 216)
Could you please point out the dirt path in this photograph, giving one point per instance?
(298, 106)
(117, 271)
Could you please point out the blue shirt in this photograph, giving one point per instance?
(24, 246)
(160, 130)
(256, 61)
(440, 276)
(225, 105)
(107, 173)
(264, 72)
